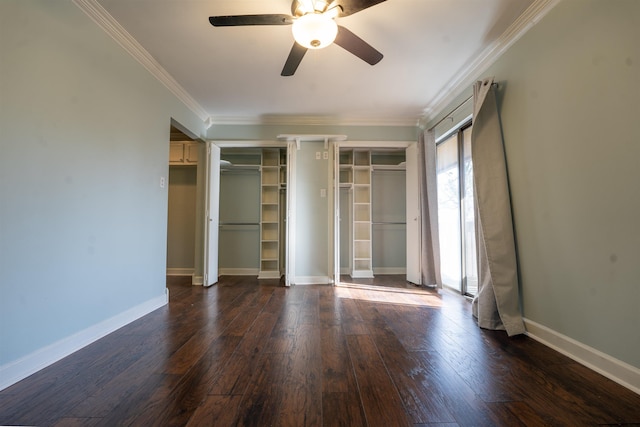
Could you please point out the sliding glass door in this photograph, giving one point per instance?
(456, 212)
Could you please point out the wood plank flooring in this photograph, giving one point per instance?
(249, 353)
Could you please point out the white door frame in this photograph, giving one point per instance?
(413, 215)
(336, 212)
(212, 215)
(413, 251)
(290, 217)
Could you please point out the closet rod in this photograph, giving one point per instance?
(239, 223)
(388, 223)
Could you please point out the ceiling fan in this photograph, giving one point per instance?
(314, 27)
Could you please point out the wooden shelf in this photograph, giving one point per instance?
(355, 172)
(273, 178)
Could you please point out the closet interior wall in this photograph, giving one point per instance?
(252, 212)
(372, 212)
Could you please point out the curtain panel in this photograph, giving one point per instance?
(430, 260)
(497, 303)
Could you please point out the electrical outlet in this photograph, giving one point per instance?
(162, 182)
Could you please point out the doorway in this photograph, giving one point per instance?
(373, 216)
(184, 219)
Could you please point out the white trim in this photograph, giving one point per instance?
(294, 120)
(376, 144)
(269, 274)
(100, 16)
(180, 271)
(197, 280)
(612, 368)
(463, 79)
(249, 143)
(238, 271)
(311, 280)
(17, 370)
(389, 270)
(362, 274)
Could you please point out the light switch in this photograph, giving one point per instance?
(318, 155)
(323, 192)
(325, 155)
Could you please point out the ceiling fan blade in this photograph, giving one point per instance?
(354, 44)
(349, 7)
(295, 56)
(238, 20)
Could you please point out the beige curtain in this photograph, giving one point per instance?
(497, 303)
(430, 261)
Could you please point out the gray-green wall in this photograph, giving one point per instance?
(569, 93)
(84, 137)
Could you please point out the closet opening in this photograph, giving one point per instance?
(184, 221)
(252, 211)
(372, 213)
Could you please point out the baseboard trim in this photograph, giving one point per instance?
(238, 271)
(362, 274)
(180, 271)
(269, 274)
(311, 280)
(197, 280)
(389, 270)
(612, 368)
(20, 369)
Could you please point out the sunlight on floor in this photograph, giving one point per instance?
(388, 295)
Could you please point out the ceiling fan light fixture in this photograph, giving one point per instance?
(314, 30)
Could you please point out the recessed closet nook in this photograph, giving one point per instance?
(310, 212)
(252, 212)
(183, 220)
(372, 212)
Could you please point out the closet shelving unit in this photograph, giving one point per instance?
(270, 214)
(283, 210)
(355, 173)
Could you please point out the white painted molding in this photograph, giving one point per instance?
(197, 280)
(100, 16)
(612, 368)
(376, 144)
(315, 120)
(238, 271)
(254, 143)
(311, 280)
(268, 274)
(249, 143)
(389, 270)
(180, 271)
(464, 79)
(17, 370)
(362, 274)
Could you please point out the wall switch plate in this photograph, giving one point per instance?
(325, 155)
(162, 182)
(323, 192)
(318, 155)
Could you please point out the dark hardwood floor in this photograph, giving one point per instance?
(258, 354)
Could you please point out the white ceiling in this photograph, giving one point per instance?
(233, 73)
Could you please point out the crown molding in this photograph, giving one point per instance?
(293, 120)
(465, 78)
(108, 23)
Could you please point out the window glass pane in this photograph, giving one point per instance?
(470, 258)
(448, 180)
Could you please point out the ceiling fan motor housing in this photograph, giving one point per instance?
(302, 7)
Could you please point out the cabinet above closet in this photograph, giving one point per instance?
(183, 153)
